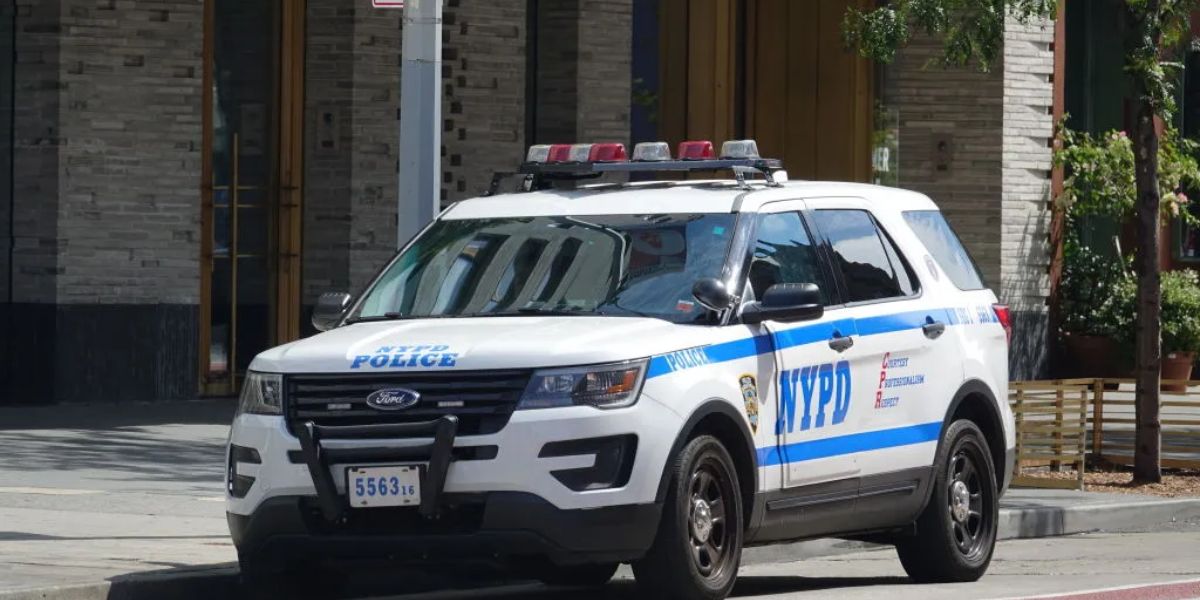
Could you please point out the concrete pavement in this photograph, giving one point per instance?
(94, 494)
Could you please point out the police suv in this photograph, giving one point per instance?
(577, 375)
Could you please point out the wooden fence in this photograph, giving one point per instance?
(1052, 426)
(1061, 422)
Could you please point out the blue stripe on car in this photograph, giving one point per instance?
(804, 334)
(849, 444)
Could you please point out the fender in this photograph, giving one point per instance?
(970, 387)
(707, 408)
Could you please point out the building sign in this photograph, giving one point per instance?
(387, 3)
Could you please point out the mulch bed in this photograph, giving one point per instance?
(1119, 480)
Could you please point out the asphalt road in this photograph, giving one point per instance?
(1137, 563)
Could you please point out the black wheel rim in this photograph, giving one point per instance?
(710, 533)
(970, 514)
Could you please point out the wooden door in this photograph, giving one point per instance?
(773, 70)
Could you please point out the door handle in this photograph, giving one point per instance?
(933, 329)
(841, 344)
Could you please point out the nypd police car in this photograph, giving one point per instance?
(580, 374)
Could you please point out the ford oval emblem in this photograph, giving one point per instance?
(393, 399)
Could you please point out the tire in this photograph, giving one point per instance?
(956, 533)
(590, 575)
(698, 547)
(307, 579)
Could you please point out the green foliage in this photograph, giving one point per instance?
(1096, 294)
(1180, 311)
(1100, 174)
(972, 30)
(1155, 30)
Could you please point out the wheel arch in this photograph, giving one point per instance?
(719, 418)
(976, 402)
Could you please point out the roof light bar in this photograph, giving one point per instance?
(652, 151)
(696, 150)
(607, 152)
(739, 149)
(539, 153)
(559, 153)
(579, 152)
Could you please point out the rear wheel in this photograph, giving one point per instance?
(956, 533)
(698, 547)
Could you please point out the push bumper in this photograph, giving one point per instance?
(495, 524)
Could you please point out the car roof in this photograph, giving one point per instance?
(687, 196)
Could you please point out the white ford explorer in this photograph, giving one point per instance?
(658, 373)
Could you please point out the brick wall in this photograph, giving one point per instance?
(950, 136)
(1024, 232)
(483, 107)
(37, 137)
(328, 114)
(352, 107)
(605, 46)
(584, 81)
(977, 144)
(376, 133)
(129, 160)
(7, 10)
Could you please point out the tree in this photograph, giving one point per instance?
(972, 33)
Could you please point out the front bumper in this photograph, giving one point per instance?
(496, 524)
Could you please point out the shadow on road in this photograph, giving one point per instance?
(170, 443)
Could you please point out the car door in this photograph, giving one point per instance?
(898, 372)
(812, 358)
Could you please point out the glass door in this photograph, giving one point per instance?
(250, 219)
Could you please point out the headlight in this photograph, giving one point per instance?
(262, 394)
(602, 386)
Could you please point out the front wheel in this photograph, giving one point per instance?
(956, 533)
(698, 547)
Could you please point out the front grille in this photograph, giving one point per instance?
(483, 401)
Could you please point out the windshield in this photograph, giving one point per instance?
(640, 265)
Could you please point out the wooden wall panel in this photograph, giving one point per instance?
(807, 98)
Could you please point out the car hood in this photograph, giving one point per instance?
(470, 344)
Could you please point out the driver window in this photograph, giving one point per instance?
(783, 253)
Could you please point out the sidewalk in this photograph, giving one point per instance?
(109, 501)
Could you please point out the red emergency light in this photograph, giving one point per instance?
(696, 150)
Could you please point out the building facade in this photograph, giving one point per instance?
(179, 179)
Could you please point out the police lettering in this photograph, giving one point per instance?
(686, 359)
(827, 385)
(397, 357)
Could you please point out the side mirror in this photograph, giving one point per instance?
(329, 310)
(785, 302)
(711, 292)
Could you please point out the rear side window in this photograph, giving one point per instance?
(933, 230)
(870, 264)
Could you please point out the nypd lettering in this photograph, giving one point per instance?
(826, 385)
(407, 357)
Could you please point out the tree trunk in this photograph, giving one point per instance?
(1148, 445)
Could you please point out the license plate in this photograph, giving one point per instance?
(384, 486)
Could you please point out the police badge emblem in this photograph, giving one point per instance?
(750, 397)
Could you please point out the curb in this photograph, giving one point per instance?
(1016, 522)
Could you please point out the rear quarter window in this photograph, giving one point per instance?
(931, 228)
